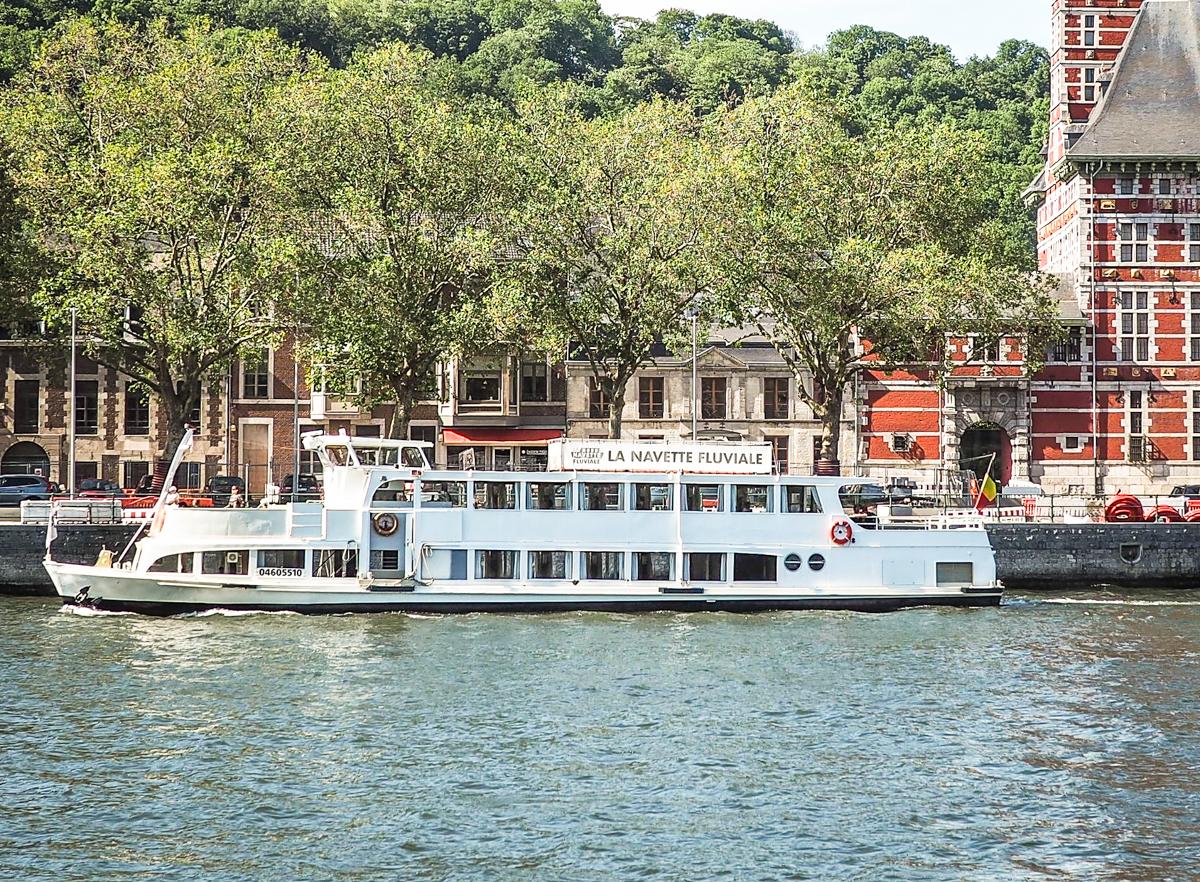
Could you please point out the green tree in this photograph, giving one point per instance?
(150, 171)
(409, 191)
(615, 233)
(878, 245)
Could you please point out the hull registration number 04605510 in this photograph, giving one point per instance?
(280, 571)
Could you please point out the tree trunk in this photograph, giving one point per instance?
(402, 414)
(179, 399)
(616, 406)
(830, 414)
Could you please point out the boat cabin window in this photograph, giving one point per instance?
(173, 563)
(398, 494)
(495, 494)
(653, 566)
(602, 565)
(281, 559)
(754, 567)
(444, 494)
(861, 501)
(653, 497)
(225, 563)
(706, 567)
(751, 497)
(335, 563)
(495, 565)
(338, 454)
(802, 500)
(702, 497)
(546, 495)
(595, 496)
(549, 565)
(378, 456)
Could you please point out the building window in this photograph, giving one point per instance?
(1070, 349)
(549, 565)
(1089, 84)
(650, 398)
(1194, 326)
(534, 381)
(133, 471)
(712, 398)
(1135, 242)
(256, 375)
(495, 565)
(775, 398)
(985, 351)
(1196, 425)
(1089, 30)
(602, 565)
(653, 566)
(1133, 322)
(1194, 243)
(1125, 186)
(1164, 186)
(26, 407)
(188, 476)
(597, 400)
(1136, 422)
(481, 388)
(706, 567)
(87, 407)
(137, 411)
(779, 453)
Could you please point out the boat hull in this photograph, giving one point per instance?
(120, 591)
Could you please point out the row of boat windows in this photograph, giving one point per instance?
(643, 566)
(501, 564)
(603, 496)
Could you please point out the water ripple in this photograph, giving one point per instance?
(1041, 740)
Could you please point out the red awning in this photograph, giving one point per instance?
(463, 435)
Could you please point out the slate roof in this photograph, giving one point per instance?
(1151, 109)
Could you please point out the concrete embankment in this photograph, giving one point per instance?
(22, 547)
(1041, 557)
(1047, 557)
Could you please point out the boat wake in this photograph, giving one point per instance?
(71, 609)
(1097, 601)
(235, 613)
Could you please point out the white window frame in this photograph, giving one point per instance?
(1133, 306)
(1135, 236)
(270, 365)
(1143, 432)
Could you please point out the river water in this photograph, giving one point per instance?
(1052, 738)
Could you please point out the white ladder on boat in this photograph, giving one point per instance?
(306, 520)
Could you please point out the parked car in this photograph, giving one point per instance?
(1191, 491)
(219, 487)
(98, 488)
(308, 488)
(15, 489)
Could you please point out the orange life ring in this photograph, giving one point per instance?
(385, 523)
(841, 532)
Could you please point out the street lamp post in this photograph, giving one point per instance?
(71, 412)
(695, 395)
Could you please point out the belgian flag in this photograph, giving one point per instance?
(987, 493)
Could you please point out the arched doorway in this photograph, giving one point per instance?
(984, 445)
(25, 458)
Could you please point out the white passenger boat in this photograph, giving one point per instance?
(613, 526)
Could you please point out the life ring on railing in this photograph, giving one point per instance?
(841, 533)
(385, 523)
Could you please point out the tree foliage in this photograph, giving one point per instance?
(150, 172)
(882, 239)
(406, 195)
(615, 240)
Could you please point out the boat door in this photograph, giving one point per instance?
(385, 551)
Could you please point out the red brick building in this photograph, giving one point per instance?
(1118, 214)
